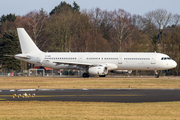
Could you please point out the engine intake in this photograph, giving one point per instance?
(99, 70)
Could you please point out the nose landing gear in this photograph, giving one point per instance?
(156, 74)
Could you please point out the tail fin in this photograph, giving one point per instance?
(27, 44)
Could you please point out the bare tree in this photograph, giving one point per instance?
(95, 17)
(172, 46)
(36, 22)
(138, 22)
(176, 19)
(122, 27)
(156, 22)
(58, 29)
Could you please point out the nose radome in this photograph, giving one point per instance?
(174, 64)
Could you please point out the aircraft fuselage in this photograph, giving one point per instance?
(113, 61)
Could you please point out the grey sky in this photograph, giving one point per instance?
(21, 7)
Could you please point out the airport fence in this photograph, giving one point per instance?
(75, 73)
(40, 73)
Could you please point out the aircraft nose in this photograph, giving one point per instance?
(174, 64)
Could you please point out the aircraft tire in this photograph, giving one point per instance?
(102, 75)
(85, 75)
(156, 76)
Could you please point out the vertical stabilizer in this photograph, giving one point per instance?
(27, 44)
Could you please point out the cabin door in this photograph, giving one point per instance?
(120, 59)
(80, 59)
(153, 59)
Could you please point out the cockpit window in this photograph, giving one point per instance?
(165, 58)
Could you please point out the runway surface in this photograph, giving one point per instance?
(94, 95)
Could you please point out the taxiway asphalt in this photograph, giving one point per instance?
(95, 95)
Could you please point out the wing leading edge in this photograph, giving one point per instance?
(72, 63)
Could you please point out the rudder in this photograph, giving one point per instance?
(27, 44)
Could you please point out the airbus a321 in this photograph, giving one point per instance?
(93, 63)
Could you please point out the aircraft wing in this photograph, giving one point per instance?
(72, 63)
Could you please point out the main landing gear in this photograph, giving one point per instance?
(156, 74)
(102, 75)
(85, 75)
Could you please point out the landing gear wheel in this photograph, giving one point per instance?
(102, 75)
(156, 76)
(85, 75)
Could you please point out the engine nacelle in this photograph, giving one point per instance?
(122, 71)
(98, 70)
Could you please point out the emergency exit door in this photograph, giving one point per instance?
(120, 59)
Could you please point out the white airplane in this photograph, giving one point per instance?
(93, 63)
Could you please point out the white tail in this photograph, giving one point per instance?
(27, 44)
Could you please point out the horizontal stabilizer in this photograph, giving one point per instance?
(9, 55)
(19, 56)
(22, 56)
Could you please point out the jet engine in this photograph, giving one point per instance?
(98, 70)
